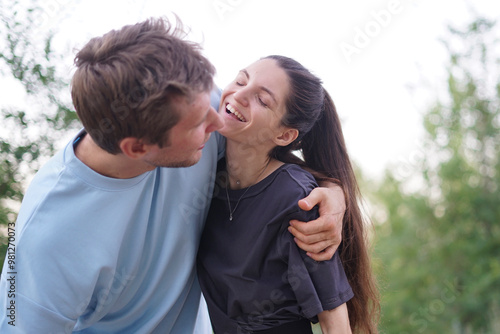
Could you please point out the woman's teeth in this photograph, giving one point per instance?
(232, 110)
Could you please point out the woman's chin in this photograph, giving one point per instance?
(227, 131)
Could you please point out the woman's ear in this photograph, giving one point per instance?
(286, 137)
(133, 148)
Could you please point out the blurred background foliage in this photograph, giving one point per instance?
(437, 241)
(28, 61)
(437, 231)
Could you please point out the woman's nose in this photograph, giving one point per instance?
(241, 96)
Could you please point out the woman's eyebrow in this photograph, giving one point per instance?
(269, 92)
(245, 72)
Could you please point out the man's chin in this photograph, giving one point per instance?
(183, 164)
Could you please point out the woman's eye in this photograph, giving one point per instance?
(239, 83)
(262, 102)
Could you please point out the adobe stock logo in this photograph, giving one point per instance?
(363, 37)
(224, 6)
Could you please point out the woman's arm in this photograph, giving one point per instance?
(335, 321)
(320, 238)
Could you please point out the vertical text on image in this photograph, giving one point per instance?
(11, 273)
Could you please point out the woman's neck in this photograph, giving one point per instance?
(246, 167)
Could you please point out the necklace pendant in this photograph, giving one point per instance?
(231, 211)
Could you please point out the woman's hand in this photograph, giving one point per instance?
(320, 238)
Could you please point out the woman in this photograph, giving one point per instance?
(253, 276)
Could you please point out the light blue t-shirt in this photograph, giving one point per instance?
(100, 255)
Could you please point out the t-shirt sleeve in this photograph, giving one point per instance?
(25, 316)
(55, 276)
(318, 286)
(38, 301)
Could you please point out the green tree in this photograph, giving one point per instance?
(439, 243)
(29, 129)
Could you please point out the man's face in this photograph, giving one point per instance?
(188, 137)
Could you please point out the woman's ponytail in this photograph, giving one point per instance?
(310, 110)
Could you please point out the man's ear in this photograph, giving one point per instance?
(133, 148)
(286, 137)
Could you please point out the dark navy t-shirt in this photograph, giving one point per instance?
(252, 274)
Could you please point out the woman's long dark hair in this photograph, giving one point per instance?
(310, 109)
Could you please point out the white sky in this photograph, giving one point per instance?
(381, 88)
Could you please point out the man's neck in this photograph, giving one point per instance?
(117, 166)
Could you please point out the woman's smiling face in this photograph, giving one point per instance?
(253, 104)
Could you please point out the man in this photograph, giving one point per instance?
(106, 237)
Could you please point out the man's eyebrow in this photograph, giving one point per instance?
(204, 118)
(245, 72)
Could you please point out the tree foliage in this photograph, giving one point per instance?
(30, 128)
(439, 246)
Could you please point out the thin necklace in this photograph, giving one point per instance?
(231, 211)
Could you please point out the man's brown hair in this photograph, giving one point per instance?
(125, 82)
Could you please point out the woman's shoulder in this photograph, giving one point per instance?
(296, 175)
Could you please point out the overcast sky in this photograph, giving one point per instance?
(380, 59)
